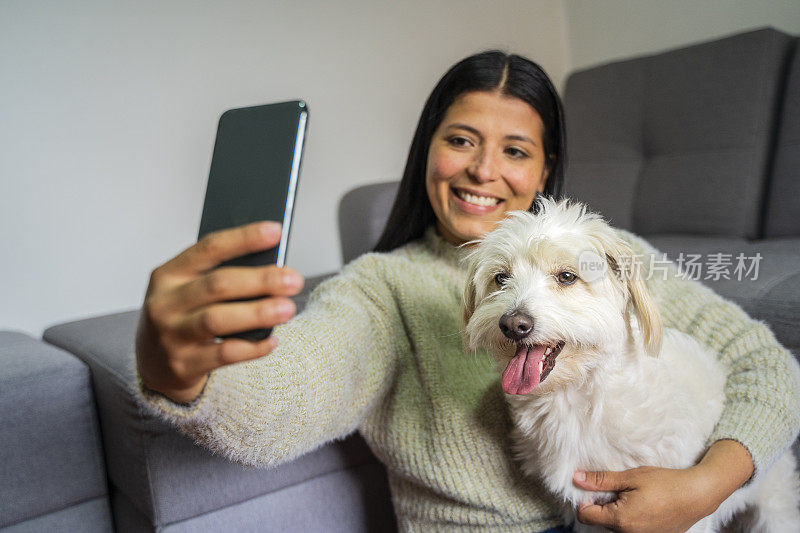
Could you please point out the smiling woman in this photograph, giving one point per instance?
(377, 348)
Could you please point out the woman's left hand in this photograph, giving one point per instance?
(662, 499)
(650, 499)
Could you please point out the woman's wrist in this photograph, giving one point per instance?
(184, 396)
(726, 466)
(189, 395)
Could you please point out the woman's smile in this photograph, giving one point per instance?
(473, 201)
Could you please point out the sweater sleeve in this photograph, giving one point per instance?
(762, 409)
(333, 362)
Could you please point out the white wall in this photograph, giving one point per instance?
(108, 113)
(603, 30)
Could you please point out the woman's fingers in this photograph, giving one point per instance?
(223, 245)
(210, 356)
(185, 309)
(607, 515)
(204, 324)
(232, 283)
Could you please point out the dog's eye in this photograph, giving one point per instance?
(501, 279)
(566, 278)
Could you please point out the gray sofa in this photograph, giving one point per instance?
(697, 149)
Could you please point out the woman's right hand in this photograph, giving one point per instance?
(185, 309)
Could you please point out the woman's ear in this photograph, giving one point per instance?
(546, 174)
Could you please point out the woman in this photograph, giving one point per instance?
(378, 348)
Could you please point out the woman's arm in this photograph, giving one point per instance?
(759, 422)
(331, 364)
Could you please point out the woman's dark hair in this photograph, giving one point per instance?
(492, 70)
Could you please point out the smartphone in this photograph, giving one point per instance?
(254, 171)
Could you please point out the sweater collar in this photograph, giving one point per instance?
(454, 255)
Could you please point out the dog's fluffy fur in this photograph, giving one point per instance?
(619, 394)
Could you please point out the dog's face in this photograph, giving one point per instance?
(548, 294)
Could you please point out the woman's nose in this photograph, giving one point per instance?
(484, 167)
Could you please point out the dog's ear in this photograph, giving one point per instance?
(627, 269)
(645, 309)
(468, 301)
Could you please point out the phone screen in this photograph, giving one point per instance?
(253, 176)
(254, 172)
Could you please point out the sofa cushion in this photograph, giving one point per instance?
(771, 294)
(85, 517)
(50, 454)
(779, 306)
(162, 473)
(334, 502)
(783, 204)
(678, 142)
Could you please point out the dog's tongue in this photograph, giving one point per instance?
(522, 375)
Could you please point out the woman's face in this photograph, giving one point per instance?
(485, 159)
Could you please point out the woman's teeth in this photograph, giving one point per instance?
(484, 201)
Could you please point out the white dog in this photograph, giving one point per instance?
(557, 300)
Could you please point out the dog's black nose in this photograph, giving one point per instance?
(516, 325)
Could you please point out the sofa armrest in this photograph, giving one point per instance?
(51, 461)
(162, 473)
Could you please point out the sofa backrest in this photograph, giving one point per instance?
(783, 200)
(681, 141)
(363, 212)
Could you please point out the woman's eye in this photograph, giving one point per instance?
(458, 141)
(501, 279)
(516, 153)
(566, 278)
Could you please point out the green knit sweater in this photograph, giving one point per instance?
(378, 349)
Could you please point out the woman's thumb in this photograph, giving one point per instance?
(604, 480)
